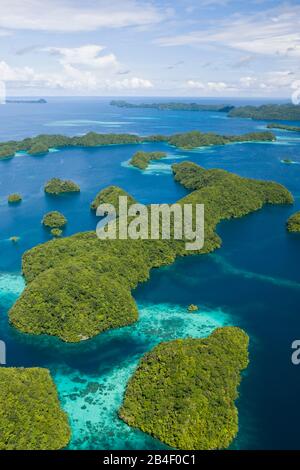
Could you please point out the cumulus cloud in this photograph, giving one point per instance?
(88, 55)
(69, 16)
(195, 84)
(70, 78)
(248, 82)
(209, 86)
(129, 83)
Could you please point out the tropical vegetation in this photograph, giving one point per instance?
(42, 143)
(81, 285)
(266, 112)
(57, 186)
(141, 159)
(56, 232)
(110, 195)
(30, 414)
(14, 198)
(183, 391)
(54, 219)
(284, 127)
(174, 106)
(293, 223)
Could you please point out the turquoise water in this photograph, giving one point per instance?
(253, 281)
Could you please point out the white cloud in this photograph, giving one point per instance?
(195, 84)
(273, 32)
(269, 83)
(69, 78)
(218, 86)
(130, 83)
(68, 16)
(247, 82)
(88, 55)
(8, 73)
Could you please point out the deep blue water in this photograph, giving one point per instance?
(253, 281)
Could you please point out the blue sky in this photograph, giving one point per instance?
(150, 48)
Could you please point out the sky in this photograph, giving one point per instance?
(199, 48)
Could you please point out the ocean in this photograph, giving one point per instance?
(252, 281)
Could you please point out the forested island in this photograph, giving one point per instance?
(284, 127)
(293, 223)
(110, 195)
(56, 232)
(87, 282)
(30, 414)
(23, 101)
(194, 139)
(174, 106)
(287, 111)
(57, 186)
(183, 391)
(266, 112)
(142, 159)
(43, 143)
(14, 198)
(54, 220)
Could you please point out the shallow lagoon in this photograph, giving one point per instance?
(253, 281)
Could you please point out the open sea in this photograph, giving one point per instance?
(252, 281)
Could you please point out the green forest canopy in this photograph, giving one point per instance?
(14, 198)
(174, 106)
(293, 223)
(284, 127)
(266, 112)
(142, 159)
(54, 219)
(30, 414)
(79, 286)
(183, 391)
(43, 143)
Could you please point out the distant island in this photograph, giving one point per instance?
(174, 106)
(284, 127)
(20, 101)
(141, 159)
(183, 391)
(41, 144)
(266, 112)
